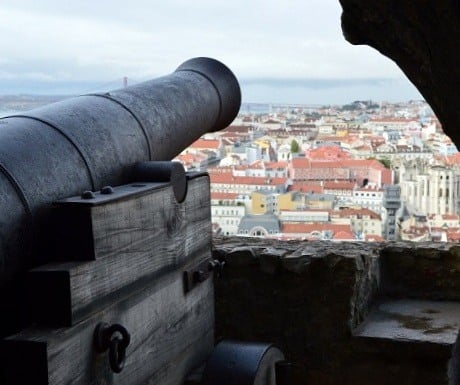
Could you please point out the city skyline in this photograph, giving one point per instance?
(291, 52)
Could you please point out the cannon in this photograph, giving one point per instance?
(92, 141)
(106, 268)
(88, 142)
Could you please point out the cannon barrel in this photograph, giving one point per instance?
(90, 141)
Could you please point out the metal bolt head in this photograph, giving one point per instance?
(87, 195)
(107, 190)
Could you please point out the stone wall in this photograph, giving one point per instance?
(308, 297)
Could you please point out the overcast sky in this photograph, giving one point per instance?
(52, 46)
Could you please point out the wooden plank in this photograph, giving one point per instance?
(170, 334)
(125, 222)
(154, 220)
(71, 222)
(65, 293)
(197, 212)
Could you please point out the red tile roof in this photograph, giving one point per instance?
(210, 144)
(226, 178)
(222, 196)
(363, 163)
(258, 164)
(343, 235)
(307, 187)
(236, 129)
(347, 213)
(343, 163)
(276, 164)
(453, 159)
(300, 163)
(332, 185)
(374, 238)
(327, 152)
(451, 217)
(310, 227)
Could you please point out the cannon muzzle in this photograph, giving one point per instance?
(91, 141)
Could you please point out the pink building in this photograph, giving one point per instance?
(360, 171)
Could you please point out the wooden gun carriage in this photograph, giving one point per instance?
(106, 272)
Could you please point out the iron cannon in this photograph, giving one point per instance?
(106, 265)
(91, 141)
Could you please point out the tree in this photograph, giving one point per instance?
(295, 148)
(386, 162)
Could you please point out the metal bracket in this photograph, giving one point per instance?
(114, 338)
(200, 273)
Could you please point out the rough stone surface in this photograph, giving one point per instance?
(422, 38)
(425, 271)
(309, 297)
(304, 297)
(430, 322)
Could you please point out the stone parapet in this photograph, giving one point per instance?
(310, 297)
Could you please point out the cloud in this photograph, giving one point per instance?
(99, 41)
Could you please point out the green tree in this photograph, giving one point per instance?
(295, 146)
(386, 162)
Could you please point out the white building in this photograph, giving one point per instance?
(316, 216)
(431, 189)
(284, 153)
(227, 211)
(368, 197)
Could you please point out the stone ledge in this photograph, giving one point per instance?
(308, 297)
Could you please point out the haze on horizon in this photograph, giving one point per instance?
(290, 51)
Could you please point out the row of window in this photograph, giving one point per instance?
(221, 212)
(372, 223)
(229, 222)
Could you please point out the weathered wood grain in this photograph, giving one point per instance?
(170, 334)
(151, 236)
(125, 221)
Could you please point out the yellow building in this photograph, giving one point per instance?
(263, 202)
(341, 132)
(291, 201)
(319, 201)
(294, 200)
